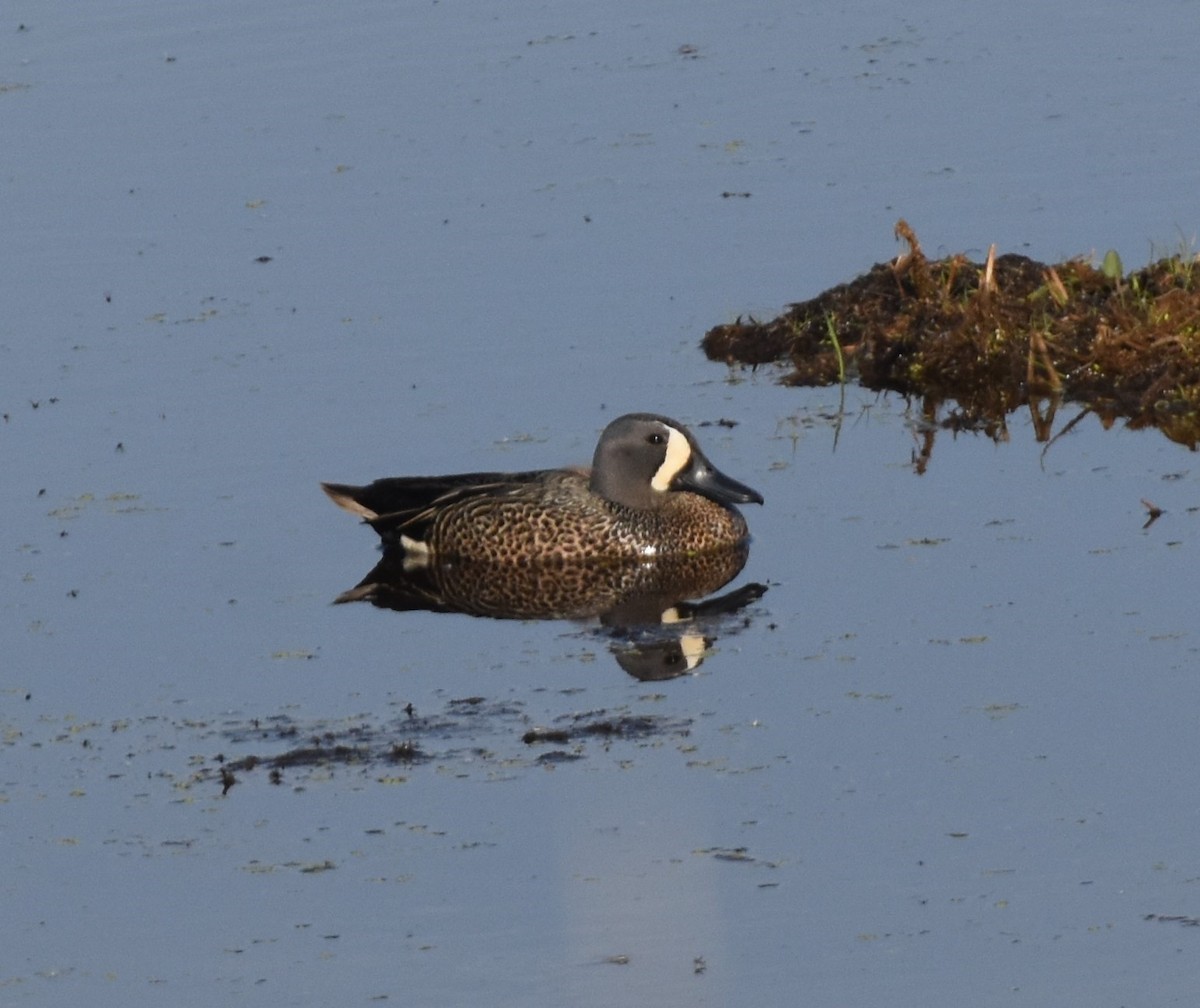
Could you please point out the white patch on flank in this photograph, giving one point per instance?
(679, 454)
(416, 553)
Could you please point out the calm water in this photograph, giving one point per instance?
(945, 759)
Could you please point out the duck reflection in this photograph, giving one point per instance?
(647, 609)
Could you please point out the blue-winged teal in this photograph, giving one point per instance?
(650, 493)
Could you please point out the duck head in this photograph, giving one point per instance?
(643, 457)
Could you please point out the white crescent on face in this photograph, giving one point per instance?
(679, 454)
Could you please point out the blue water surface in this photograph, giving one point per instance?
(945, 759)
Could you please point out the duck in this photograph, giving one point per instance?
(650, 493)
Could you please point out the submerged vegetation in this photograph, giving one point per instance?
(976, 341)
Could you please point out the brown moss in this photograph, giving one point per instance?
(992, 337)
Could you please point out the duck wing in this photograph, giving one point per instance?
(410, 494)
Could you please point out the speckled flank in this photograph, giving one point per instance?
(560, 517)
(651, 493)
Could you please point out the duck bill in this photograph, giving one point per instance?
(702, 478)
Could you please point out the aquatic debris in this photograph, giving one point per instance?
(739, 854)
(467, 733)
(601, 725)
(1182, 919)
(997, 336)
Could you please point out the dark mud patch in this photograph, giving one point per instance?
(975, 341)
(469, 736)
(598, 724)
